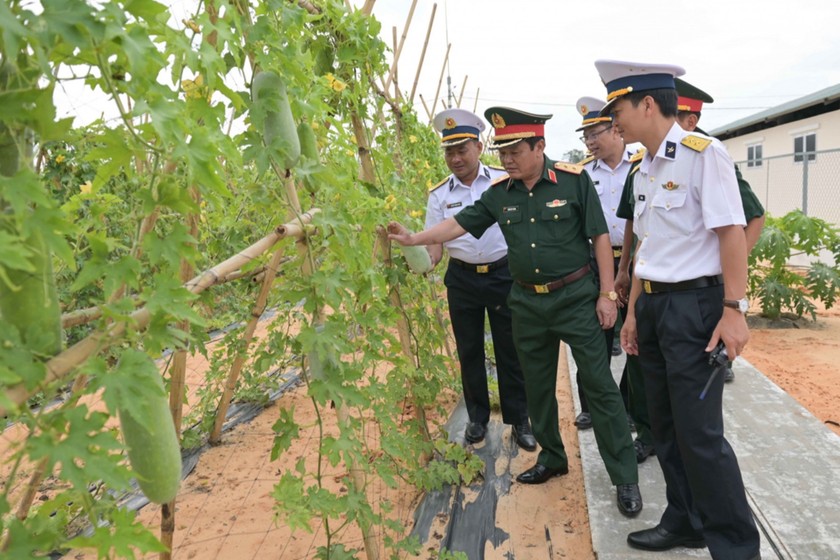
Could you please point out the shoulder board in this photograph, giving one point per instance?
(437, 186)
(573, 168)
(584, 161)
(637, 156)
(503, 179)
(496, 167)
(696, 143)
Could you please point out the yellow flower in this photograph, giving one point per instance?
(86, 187)
(426, 164)
(195, 89)
(415, 213)
(59, 158)
(412, 139)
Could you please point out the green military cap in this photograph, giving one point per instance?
(689, 97)
(512, 125)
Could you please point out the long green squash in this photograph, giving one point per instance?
(278, 124)
(418, 259)
(153, 449)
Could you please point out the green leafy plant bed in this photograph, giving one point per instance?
(189, 205)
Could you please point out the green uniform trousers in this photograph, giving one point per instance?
(540, 322)
(638, 399)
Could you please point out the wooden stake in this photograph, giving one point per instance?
(440, 80)
(393, 73)
(397, 94)
(463, 87)
(423, 54)
(428, 114)
(475, 105)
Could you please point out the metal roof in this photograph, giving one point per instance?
(822, 96)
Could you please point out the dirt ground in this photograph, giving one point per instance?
(225, 509)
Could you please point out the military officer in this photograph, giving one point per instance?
(477, 281)
(687, 294)
(690, 101)
(608, 167)
(548, 212)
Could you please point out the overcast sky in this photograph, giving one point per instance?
(537, 55)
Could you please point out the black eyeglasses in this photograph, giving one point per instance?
(594, 136)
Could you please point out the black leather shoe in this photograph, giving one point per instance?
(728, 375)
(540, 473)
(616, 347)
(524, 437)
(629, 499)
(659, 539)
(475, 432)
(583, 421)
(643, 451)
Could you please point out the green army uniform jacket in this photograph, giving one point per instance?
(547, 229)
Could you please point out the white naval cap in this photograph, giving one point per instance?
(622, 77)
(590, 109)
(457, 126)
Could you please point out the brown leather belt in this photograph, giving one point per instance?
(480, 268)
(556, 284)
(651, 287)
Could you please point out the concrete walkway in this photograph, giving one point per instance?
(789, 460)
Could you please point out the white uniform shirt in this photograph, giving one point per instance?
(609, 183)
(453, 196)
(680, 195)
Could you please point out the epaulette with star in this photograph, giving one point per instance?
(586, 160)
(499, 180)
(573, 168)
(696, 143)
(439, 185)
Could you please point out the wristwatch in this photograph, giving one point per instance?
(612, 296)
(741, 305)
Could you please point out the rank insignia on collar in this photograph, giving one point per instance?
(556, 203)
(670, 185)
(552, 176)
(670, 149)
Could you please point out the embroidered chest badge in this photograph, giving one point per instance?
(556, 203)
(670, 185)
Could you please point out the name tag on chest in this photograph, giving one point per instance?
(455, 205)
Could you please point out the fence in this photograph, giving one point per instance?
(809, 181)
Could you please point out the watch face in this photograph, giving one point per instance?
(743, 305)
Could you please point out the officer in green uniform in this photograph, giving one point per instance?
(548, 212)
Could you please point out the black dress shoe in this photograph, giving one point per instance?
(475, 432)
(643, 451)
(659, 539)
(629, 499)
(616, 347)
(524, 437)
(583, 421)
(540, 473)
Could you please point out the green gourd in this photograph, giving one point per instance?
(278, 124)
(418, 259)
(153, 449)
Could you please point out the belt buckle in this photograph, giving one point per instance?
(482, 268)
(616, 253)
(541, 288)
(646, 285)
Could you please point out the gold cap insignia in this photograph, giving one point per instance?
(450, 122)
(584, 109)
(498, 121)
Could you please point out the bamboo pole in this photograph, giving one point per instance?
(428, 114)
(403, 331)
(442, 71)
(392, 75)
(309, 7)
(397, 94)
(242, 355)
(475, 105)
(423, 54)
(463, 87)
(367, 9)
(61, 365)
